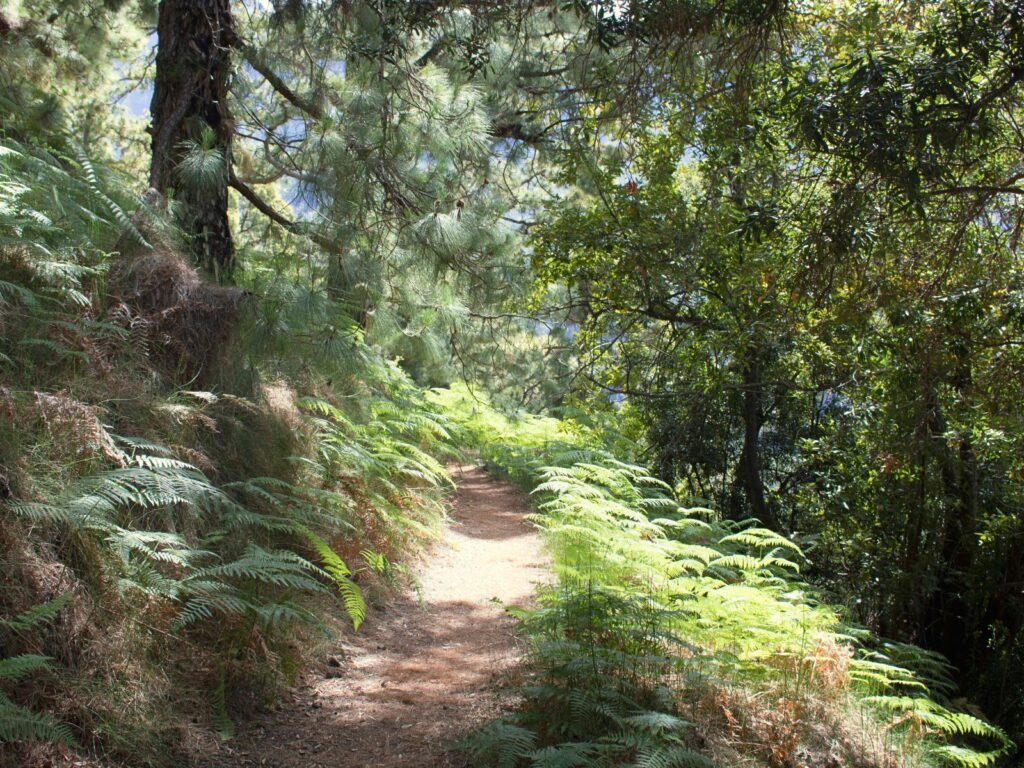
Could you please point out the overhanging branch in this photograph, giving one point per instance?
(259, 203)
(278, 218)
(308, 106)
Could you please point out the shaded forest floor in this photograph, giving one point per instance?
(425, 668)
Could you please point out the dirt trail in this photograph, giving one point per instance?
(420, 673)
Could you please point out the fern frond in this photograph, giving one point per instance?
(501, 743)
(280, 568)
(37, 614)
(18, 724)
(17, 668)
(12, 291)
(578, 754)
(940, 718)
(761, 538)
(670, 756)
(656, 722)
(964, 757)
(886, 676)
(351, 595)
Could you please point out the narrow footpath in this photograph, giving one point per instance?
(423, 670)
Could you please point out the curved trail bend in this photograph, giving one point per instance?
(419, 674)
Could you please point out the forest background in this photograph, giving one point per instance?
(775, 245)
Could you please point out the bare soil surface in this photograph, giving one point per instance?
(423, 670)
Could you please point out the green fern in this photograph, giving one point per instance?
(947, 723)
(572, 755)
(350, 593)
(652, 595)
(17, 723)
(20, 724)
(37, 614)
(255, 585)
(670, 756)
(500, 743)
(964, 757)
(17, 668)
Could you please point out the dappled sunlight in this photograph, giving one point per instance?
(423, 670)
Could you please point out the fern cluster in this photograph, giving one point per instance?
(224, 520)
(600, 697)
(224, 561)
(166, 526)
(516, 445)
(61, 217)
(663, 614)
(388, 460)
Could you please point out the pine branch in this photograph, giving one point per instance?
(254, 60)
(516, 131)
(431, 53)
(258, 202)
(267, 210)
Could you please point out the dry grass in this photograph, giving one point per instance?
(180, 322)
(810, 720)
(126, 684)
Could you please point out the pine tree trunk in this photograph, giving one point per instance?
(193, 60)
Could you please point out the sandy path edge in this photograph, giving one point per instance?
(419, 674)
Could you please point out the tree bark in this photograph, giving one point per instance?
(748, 473)
(950, 604)
(193, 62)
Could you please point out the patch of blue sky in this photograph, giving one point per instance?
(336, 67)
(301, 198)
(250, 72)
(293, 130)
(136, 101)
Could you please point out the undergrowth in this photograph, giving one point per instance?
(182, 510)
(675, 638)
(18, 723)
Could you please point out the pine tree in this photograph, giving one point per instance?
(192, 125)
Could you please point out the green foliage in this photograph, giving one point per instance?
(18, 723)
(803, 273)
(598, 699)
(518, 445)
(388, 457)
(787, 234)
(235, 564)
(60, 217)
(188, 569)
(656, 608)
(911, 688)
(202, 167)
(36, 615)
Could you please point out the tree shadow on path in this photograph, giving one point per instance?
(420, 674)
